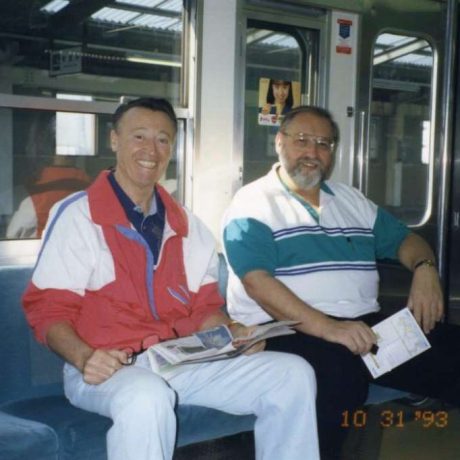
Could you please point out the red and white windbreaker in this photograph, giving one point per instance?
(96, 272)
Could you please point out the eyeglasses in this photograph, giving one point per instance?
(303, 141)
(132, 355)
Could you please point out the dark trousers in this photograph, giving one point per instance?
(343, 378)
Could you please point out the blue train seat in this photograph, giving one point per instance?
(37, 421)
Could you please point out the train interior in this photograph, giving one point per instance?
(387, 70)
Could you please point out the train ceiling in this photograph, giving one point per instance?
(118, 29)
(108, 30)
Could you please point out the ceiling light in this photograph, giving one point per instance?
(54, 6)
(145, 60)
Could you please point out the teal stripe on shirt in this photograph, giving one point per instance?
(249, 246)
(389, 234)
(323, 248)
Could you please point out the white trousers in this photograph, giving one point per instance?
(279, 388)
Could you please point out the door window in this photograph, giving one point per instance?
(399, 163)
(280, 74)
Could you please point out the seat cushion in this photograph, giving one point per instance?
(196, 423)
(22, 439)
(378, 394)
(82, 434)
(239, 446)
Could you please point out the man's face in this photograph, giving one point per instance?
(305, 150)
(143, 144)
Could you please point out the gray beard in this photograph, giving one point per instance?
(304, 182)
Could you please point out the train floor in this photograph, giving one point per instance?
(402, 431)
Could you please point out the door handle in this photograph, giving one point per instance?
(456, 220)
(362, 179)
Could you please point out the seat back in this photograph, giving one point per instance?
(223, 275)
(28, 368)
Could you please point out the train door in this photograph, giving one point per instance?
(260, 58)
(283, 69)
(244, 44)
(453, 253)
(296, 54)
(397, 162)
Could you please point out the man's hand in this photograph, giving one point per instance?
(357, 336)
(425, 297)
(239, 331)
(281, 303)
(102, 364)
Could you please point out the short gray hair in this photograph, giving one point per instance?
(313, 110)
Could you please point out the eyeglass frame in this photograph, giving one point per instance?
(132, 355)
(309, 138)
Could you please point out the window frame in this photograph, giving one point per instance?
(429, 204)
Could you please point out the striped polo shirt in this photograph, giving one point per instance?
(326, 257)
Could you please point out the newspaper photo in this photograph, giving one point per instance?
(213, 344)
(400, 339)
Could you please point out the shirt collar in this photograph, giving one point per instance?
(101, 192)
(325, 193)
(128, 205)
(326, 188)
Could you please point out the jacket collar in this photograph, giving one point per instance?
(106, 209)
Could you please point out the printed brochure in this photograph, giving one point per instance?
(400, 338)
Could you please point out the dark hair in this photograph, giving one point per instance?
(271, 96)
(313, 110)
(151, 103)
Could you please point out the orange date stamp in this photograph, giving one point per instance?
(397, 419)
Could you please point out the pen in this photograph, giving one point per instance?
(374, 349)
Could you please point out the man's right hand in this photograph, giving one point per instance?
(357, 336)
(281, 303)
(95, 365)
(102, 364)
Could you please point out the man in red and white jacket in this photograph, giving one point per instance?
(124, 266)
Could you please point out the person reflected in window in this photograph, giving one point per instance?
(279, 100)
(54, 183)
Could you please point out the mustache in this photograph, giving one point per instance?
(307, 162)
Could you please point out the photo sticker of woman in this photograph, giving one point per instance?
(275, 100)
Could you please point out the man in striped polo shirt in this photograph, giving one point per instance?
(304, 248)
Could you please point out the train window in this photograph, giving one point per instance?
(67, 64)
(42, 163)
(126, 47)
(280, 63)
(75, 132)
(399, 161)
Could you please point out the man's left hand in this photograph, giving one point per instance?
(425, 297)
(239, 331)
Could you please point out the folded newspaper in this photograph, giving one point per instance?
(399, 340)
(212, 344)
